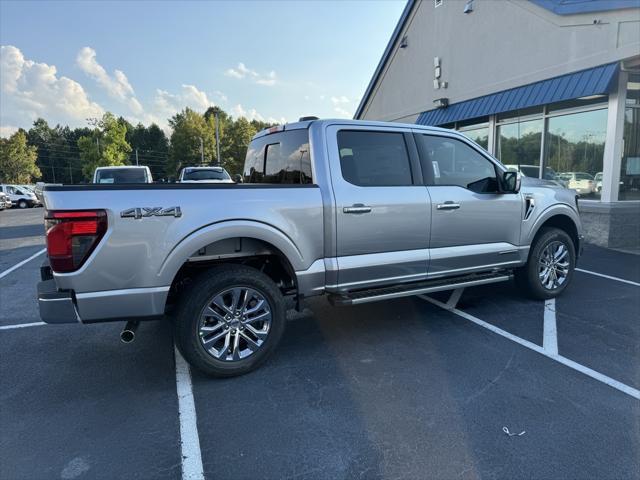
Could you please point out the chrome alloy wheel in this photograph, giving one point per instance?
(553, 265)
(235, 323)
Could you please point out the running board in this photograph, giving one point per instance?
(407, 290)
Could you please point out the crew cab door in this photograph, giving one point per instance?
(474, 226)
(382, 207)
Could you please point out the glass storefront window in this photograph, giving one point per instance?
(479, 134)
(575, 149)
(519, 145)
(629, 188)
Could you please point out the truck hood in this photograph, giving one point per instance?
(539, 182)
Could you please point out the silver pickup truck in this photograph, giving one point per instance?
(358, 211)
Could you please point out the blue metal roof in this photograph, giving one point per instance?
(572, 7)
(594, 81)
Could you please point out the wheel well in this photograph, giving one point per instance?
(563, 222)
(252, 252)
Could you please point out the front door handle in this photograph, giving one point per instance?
(357, 209)
(448, 206)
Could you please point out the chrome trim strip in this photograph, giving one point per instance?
(126, 291)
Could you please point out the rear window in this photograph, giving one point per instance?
(583, 176)
(122, 175)
(205, 174)
(279, 158)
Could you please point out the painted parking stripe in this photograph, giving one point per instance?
(18, 265)
(550, 335)
(22, 325)
(189, 439)
(633, 392)
(617, 279)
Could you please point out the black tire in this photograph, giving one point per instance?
(527, 278)
(23, 204)
(200, 294)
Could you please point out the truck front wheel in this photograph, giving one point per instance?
(230, 320)
(550, 266)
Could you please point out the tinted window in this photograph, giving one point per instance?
(371, 159)
(280, 158)
(122, 175)
(205, 174)
(455, 163)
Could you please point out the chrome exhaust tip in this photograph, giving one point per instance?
(128, 333)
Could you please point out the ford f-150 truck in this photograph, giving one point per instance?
(359, 211)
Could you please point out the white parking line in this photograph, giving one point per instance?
(22, 325)
(18, 265)
(550, 336)
(189, 440)
(608, 276)
(633, 392)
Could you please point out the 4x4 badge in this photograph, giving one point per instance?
(142, 212)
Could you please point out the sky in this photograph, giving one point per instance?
(144, 60)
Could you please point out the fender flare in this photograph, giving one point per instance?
(224, 230)
(553, 211)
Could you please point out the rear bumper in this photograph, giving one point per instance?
(56, 306)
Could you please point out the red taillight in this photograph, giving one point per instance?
(72, 236)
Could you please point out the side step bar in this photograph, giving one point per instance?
(377, 294)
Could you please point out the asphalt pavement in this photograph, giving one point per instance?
(396, 389)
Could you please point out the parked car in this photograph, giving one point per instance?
(126, 174)
(359, 211)
(598, 179)
(37, 190)
(533, 171)
(5, 201)
(581, 182)
(204, 174)
(20, 196)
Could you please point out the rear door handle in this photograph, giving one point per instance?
(357, 209)
(448, 206)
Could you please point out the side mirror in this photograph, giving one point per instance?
(238, 178)
(511, 182)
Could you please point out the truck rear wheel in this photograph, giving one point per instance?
(230, 321)
(550, 266)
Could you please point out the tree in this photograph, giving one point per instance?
(190, 132)
(105, 146)
(235, 143)
(18, 159)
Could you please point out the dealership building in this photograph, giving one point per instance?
(549, 87)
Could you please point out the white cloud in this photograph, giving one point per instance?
(342, 112)
(117, 86)
(30, 90)
(251, 114)
(339, 100)
(7, 130)
(242, 71)
(167, 104)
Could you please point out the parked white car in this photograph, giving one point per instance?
(125, 174)
(20, 196)
(5, 201)
(598, 180)
(581, 182)
(204, 175)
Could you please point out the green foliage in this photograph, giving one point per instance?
(67, 155)
(105, 146)
(18, 159)
(192, 140)
(235, 143)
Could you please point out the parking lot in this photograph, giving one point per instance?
(489, 386)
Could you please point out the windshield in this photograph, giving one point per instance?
(122, 175)
(205, 174)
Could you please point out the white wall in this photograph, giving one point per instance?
(500, 45)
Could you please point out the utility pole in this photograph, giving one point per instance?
(218, 137)
(201, 151)
(136, 157)
(98, 144)
(70, 172)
